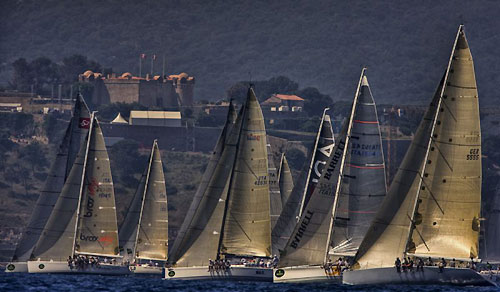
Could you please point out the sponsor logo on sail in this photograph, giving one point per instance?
(303, 226)
(335, 160)
(106, 240)
(88, 237)
(253, 137)
(92, 189)
(84, 123)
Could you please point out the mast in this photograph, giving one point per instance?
(143, 199)
(226, 203)
(311, 165)
(92, 117)
(341, 172)
(424, 165)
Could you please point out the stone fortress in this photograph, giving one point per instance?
(172, 91)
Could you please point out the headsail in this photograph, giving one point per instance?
(432, 207)
(363, 184)
(247, 225)
(96, 228)
(285, 180)
(323, 146)
(274, 189)
(152, 237)
(59, 171)
(198, 237)
(310, 240)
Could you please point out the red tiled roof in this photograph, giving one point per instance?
(288, 97)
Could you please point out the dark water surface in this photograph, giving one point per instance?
(45, 282)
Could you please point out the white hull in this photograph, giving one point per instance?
(235, 273)
(16, 267)
(54, 267)
(305, 274)
(430, 276)
(146, 270)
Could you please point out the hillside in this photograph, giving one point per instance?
(317, 43)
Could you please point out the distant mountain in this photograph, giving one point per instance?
(324, 44)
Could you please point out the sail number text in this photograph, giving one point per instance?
(473, 154)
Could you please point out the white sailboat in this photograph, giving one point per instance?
(144, 231)
(432, 209)
(285, 180)
(83, 220)
(339, 210)
(68, 149)
(229, 218)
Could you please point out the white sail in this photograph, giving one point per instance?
(432, 208)
(247, 222)
(363, 185)
(198, 238)
(285, 180)
(59, 171)
(152, 237)
(96, 228)
(309, 242)
(274, 188)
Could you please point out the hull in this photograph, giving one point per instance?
(54, 267)
(235, 273)
(493, 276)
(16, 267)
(146, 270)
(430, 276)
(305, 274)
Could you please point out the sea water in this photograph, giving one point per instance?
(45, 282)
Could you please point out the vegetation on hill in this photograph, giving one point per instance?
(322, 44)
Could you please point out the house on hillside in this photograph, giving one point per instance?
(283, 103)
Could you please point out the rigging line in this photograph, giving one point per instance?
(441, 153)
(451, 113)
(432, 195)
(418, 232)
(241, 227)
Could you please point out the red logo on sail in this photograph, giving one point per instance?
(106, 240)
(84, 123)
(93, 185)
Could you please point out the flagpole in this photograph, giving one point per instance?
(163, 71)
(140, 65)
(152, 61)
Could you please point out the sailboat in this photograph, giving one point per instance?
(68, 149)
(230, 220)
(308, 178)
(432, 208)
(340, 208)
(83, 220)
(144, 231)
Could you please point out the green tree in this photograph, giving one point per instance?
(22, 78)
(315, 101)
(45, 74)
(77, 64)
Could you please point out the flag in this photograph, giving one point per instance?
(143, 56)
(154, 57)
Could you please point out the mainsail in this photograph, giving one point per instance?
(147, 213)
(285, 180)
(247, 222)
(198, 238)
(323, 146)
(363, 183)
(59, 171)
(432, 207)
(306, 183)
(274, 189)
(96, 229)
(309, 242)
